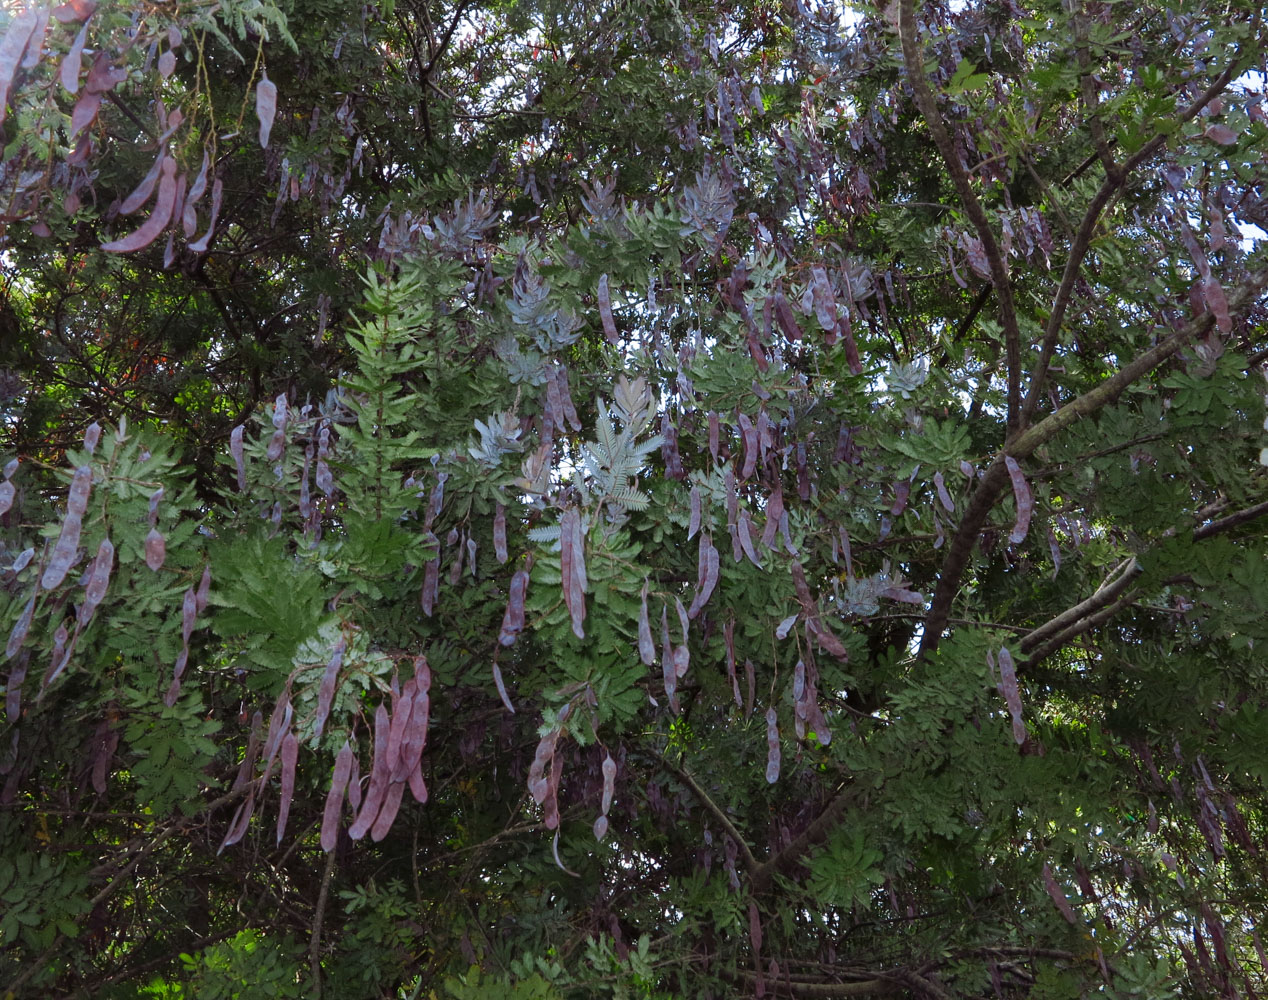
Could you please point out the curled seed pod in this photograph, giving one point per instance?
(500, 684)
(155, 499)
(204, 588)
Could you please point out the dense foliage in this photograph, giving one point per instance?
(549, 499)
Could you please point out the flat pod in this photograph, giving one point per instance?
(334, 798)
(646, 645)
(290, 754)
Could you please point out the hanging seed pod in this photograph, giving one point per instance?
(334, 798)
(155, 550)
(68, 541)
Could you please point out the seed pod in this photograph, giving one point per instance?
(646, 646)
(98, 581)
(155, 550)
(7, 493)
(379, 778)
(239, 458)
(772, 747)
(693, 524)
(609, 782)
(499, 534)
(13, 688)
(667, 668)
(334, 798)
(1024, 498)
(91, 436)
(513, 619)
(326, 693)
(20, 628)
(290, 753)
(943, 496)
(501, 688)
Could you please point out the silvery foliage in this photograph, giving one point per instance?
(523, 367)
(500, 436)
(905, 379)
(553, 328)
(464, 227)
(707, 207)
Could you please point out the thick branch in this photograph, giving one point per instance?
(1079, 627)
(1119, 581)
(928, 105)
(996, 480)
(1230, 522)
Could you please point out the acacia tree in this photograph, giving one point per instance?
(778, 517)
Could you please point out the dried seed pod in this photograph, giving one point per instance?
(20, 628)
(290, 754)
(239, 458)
(772, 746)
(646, 646)
(326, 693)
(334, 798)
(155, 550)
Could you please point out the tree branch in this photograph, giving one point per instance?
(928, 105)
(314, 943)
(808, 837)
(746, 854)
(996, 479)
(1119, 580)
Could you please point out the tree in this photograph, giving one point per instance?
(777, 515)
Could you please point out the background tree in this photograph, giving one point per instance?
(544, 500)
